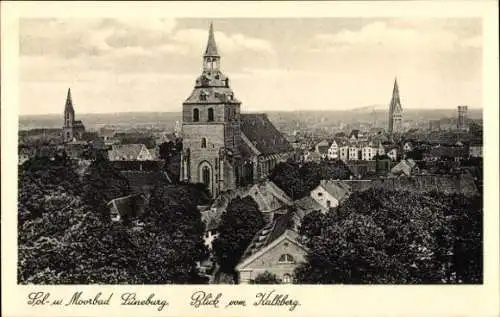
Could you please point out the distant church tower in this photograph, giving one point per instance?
(211, 127)
(72, 129)
(395, 111)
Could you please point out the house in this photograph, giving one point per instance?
(476, 150)
(405, 167)
(322, 148)
(275, 249)
(211, 218)
(129, 152)
(451, 153)
(312, 156)
(392, 153)
(333, 151)
(142, 176)
(354, 153)
(354, 135)
(75, 149)
(330, 194)
(268, 196)
(368, 152)
(344, 152)
(127, 208)
(408, 147)
(308, 204)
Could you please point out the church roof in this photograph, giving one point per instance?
(211, 50)
(263, 134)
(211, 95)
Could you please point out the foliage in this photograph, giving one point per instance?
(298, 180)
(103, 183)
(266, 278)
(241, 221)
(64, 239)
(395, 237)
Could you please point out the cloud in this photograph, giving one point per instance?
(400, 36)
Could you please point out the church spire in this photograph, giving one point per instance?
(211, 50)
(69, 102)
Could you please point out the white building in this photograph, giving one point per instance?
(333, 151)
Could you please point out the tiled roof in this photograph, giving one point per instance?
(447, 151)
(138, 165)
(125, 151)
(308, 204)
(268, 196)
(337, 189)
(129, 206)
(263, 134)
(270, 232)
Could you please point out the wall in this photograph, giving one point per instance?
(269, 261)
(324, 197)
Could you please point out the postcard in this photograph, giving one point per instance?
(250, 158)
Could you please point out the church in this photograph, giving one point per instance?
(222, 147)
(72, 129)
(395, 111)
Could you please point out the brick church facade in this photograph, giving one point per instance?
(223, 148)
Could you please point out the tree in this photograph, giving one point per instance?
(239, 224)
(64, 239)
(266, 278)
(103, 183)
(382, 236)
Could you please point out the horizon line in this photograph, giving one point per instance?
(367, 108)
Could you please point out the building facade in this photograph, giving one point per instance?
(395, 111)
(462, 119)
(72, 129)
(223, 148)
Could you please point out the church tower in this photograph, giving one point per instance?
(72, 129)
(211, 127)
(69, 118)
(395, 111)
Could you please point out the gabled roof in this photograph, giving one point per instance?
(263, 134)
(338, 189)
(308, 204)
(405, 166)
(126, 151)
(270, 233)
(268, 196)
(130, 206)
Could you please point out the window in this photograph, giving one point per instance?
(287, 279)
(210, 114)
(203, 97)
(203, 142)
(320, 194)
(205, 174)
(196, 115)
(286, 258)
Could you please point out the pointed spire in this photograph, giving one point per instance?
(69, 102)
(396, 88)
(211, 46)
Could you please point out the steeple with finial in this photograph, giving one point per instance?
(211, 58)
(69, 111)
(395, 110)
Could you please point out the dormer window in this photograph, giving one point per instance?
(203, 96)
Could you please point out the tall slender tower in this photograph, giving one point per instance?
(462, 118)
(72, 129)
(395, 111)
(69, 118)
(211, 127)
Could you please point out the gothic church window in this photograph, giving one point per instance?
(210, 114)
(203, 142)
(196, 115)
(205, 173)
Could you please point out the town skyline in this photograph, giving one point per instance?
(129, 71)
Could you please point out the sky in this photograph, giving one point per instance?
(280, 64)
